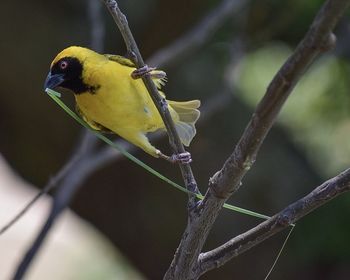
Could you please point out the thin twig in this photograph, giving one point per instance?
(71, 181)
(241, 243)
(53, 182)
(226, 181)
(175, 142)
(68, 188)
(50, 186)
(87, 141)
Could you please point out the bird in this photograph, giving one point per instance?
(111, 97)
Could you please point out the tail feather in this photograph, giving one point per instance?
(187, 114)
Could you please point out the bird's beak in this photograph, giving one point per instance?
(53, 81)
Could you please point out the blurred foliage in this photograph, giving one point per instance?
(143, 217)
(317, 114)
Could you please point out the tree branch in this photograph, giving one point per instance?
(226, 181)
(318, 39)
(159, 101)
(243, 242)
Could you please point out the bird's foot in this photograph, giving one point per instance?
(141, 72)
(146, 70)
(183, 158)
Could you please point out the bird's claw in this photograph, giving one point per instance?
(183, 158)
(141, 72)
(151, 71)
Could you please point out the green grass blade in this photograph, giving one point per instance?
(56, 97)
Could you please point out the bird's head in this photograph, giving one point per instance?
(67, 69)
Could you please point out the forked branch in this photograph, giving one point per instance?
(243, 242)
(225, 182)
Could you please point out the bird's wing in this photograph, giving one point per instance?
(94, 125)
(121, 60)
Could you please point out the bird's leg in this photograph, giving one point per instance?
(146, 70)
(183, 158)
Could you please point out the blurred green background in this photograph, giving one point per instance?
(142, 216)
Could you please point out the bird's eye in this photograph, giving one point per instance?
(63, 64)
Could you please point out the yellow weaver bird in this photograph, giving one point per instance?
(110, 97)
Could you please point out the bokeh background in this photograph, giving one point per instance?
(141, 216)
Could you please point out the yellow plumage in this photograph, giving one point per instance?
(108, 97)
